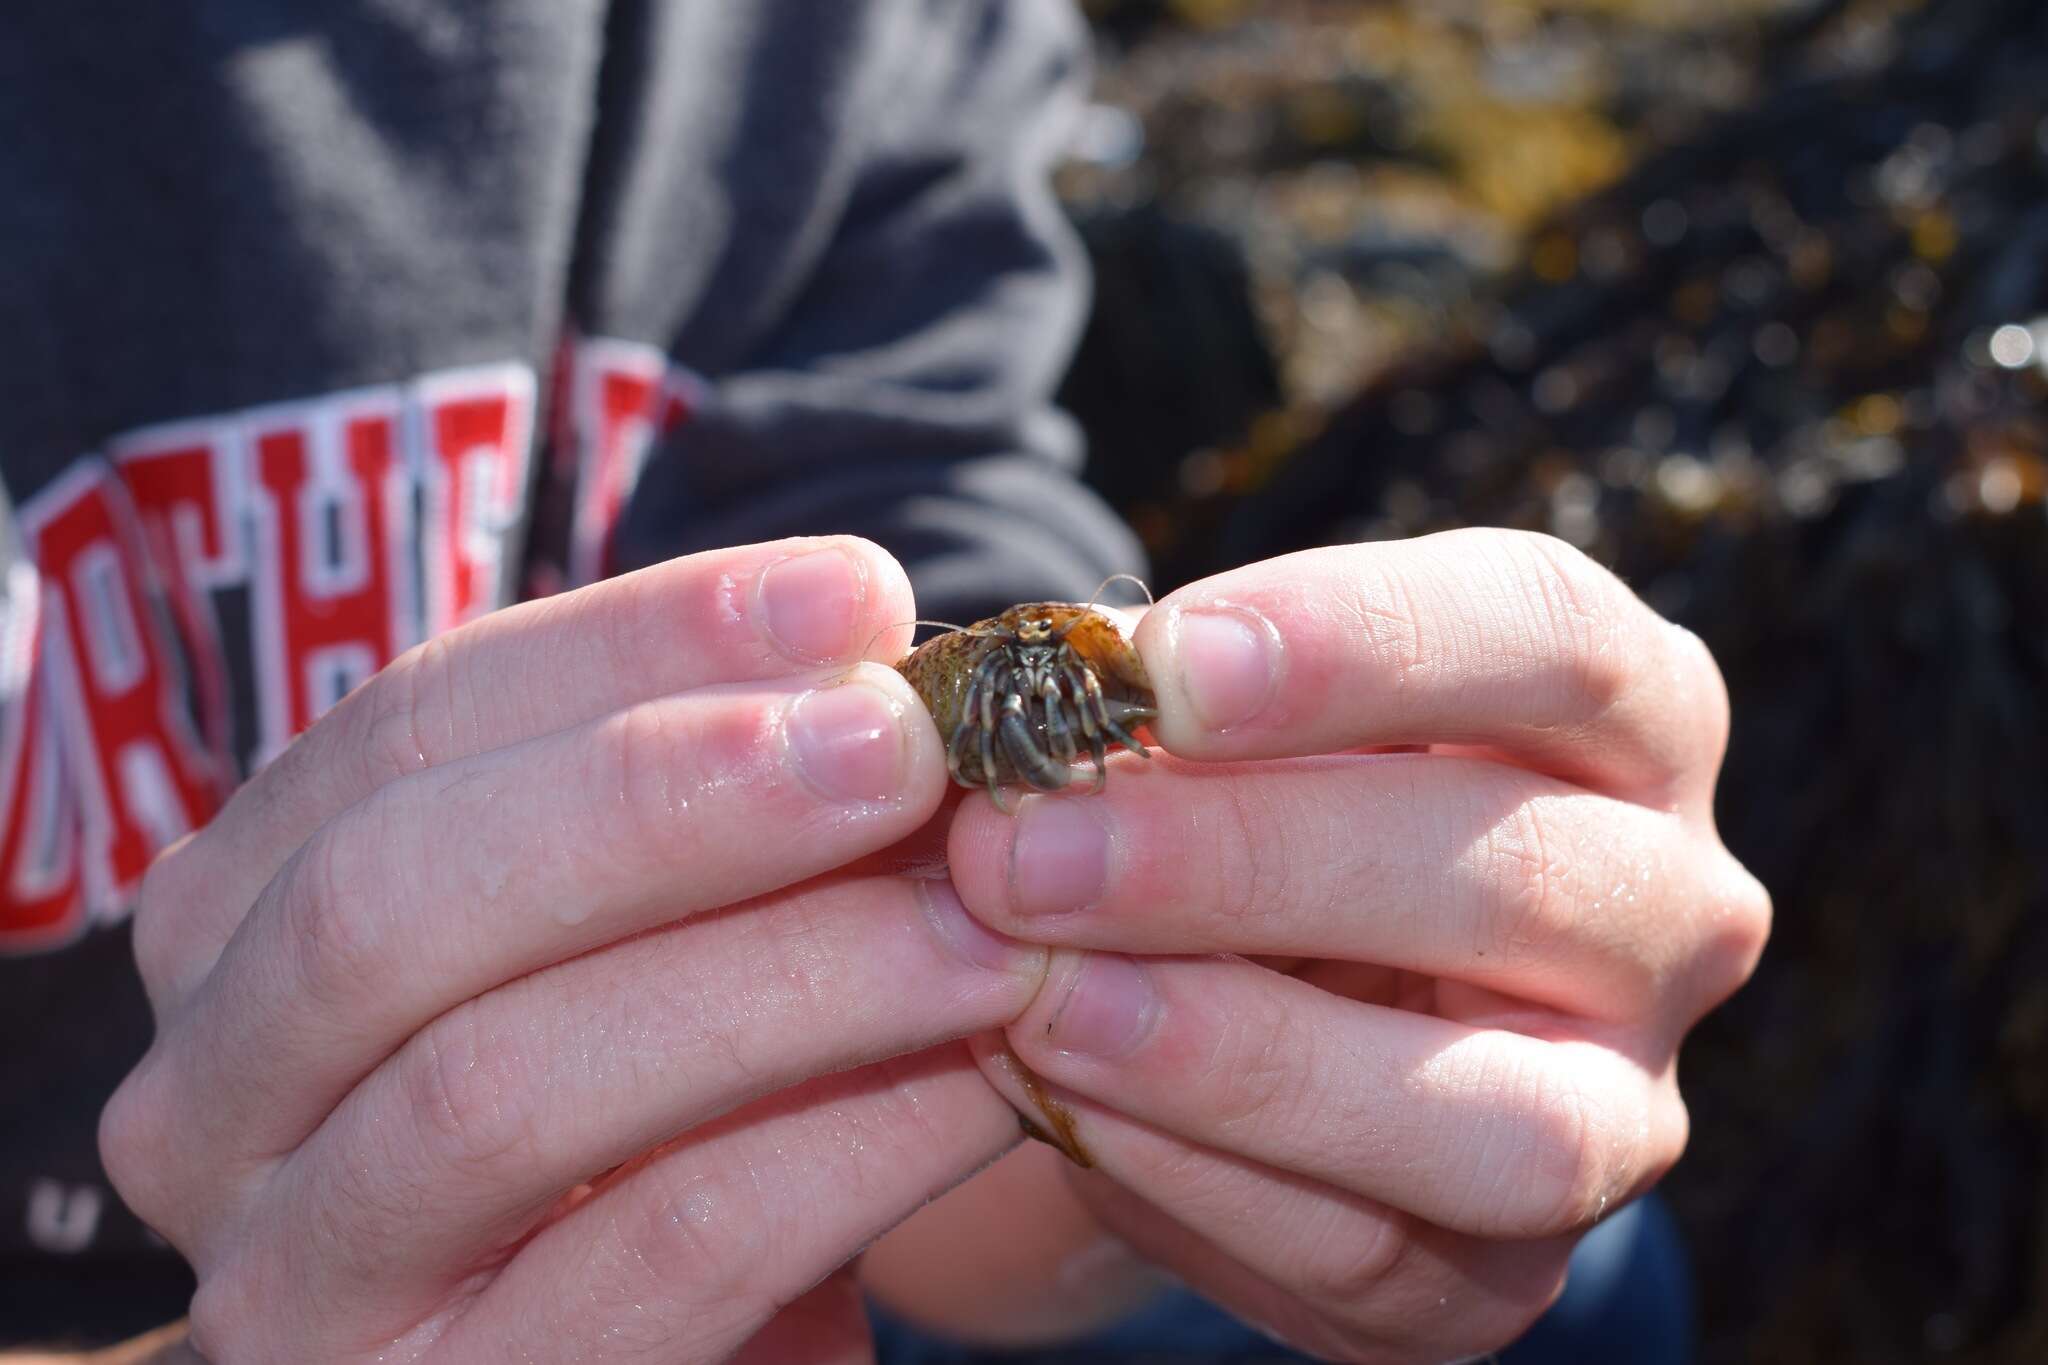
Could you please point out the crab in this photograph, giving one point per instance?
(1021, 694)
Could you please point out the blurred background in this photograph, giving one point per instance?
(1749, 299)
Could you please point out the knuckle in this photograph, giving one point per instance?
(348, 1214)
(468, 1095)
(1583, 1182)
(1705, 690)
(1513, 1307)
(1738, 925)
(1535, 875)
(685, 1229)
(642, 769)
(1561, 895)
(1254, 878)
(619, 617)
(1572, 583)
(134, 1141)
(1265, 1063)
(298, 767)
(1387, 613)
(1581, 610)
(1600, 1139)
(899, 1123)
(1192, 1177)
(222, 1323)
(397, 725)
(1670, 1129)
(210, 1319)
(1747, 906)
(1600, 679)
(793, 948)
(1559, 1177)
(230, 1312)
(336, 926)
(1355, 1261)
(1548, 1276)
(161, 902)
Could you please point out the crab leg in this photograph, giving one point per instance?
(1123, 713)
(963, 736)
(1101, 705)
(985, 694)
(1078, 679)
(1056, 727)
(956, 750)
(1034, 764)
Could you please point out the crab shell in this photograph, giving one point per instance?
(942, 669)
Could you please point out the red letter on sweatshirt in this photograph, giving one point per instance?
(142, 778)
(478, 426)
(182, 481)
(40, 907)
(332, 589)
(616, 388)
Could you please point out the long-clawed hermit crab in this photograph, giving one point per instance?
(1020, 695)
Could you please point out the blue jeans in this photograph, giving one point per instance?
(1629, 1302)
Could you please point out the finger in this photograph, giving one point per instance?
(1448, 866)
(444, 884)
(1478, 1130)
(757, 612)
(495, 1108)
(827, 1326)
(1489, 638)
(1310, 1266)
(691, 1254)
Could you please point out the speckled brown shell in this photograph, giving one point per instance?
(941, 668)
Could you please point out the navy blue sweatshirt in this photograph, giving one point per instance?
(330, 325)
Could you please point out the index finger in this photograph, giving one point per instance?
(1500, 640)
(738, 615)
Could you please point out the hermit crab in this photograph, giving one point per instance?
(1020, 695)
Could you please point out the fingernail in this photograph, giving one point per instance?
(1108, 1011)
(848, 742)
(1227, 665)
(962, 933)
(810, 602)
(1059, 860)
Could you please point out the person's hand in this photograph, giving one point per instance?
(526, 1009)
(1428, 1033)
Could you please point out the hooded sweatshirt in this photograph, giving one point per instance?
(331, 325)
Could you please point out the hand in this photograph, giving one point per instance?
(1427, 1033)
(526, 1008)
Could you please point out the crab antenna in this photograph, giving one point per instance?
(1126, 577)
(948, 625)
